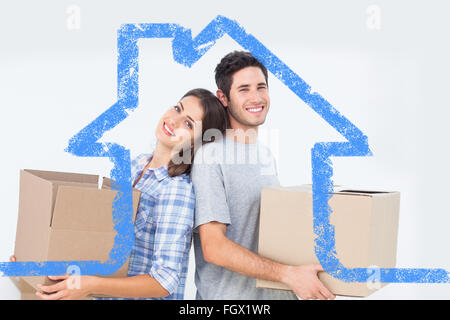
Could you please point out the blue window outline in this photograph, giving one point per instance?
(186, 51)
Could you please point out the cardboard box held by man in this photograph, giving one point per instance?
(366, 227)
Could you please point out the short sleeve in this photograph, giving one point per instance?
(210, 194)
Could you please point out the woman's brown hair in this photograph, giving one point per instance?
(215, 117)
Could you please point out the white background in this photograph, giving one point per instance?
(390, 82)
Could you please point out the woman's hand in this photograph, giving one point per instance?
(68, 288)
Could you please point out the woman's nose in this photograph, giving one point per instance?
(173, 123)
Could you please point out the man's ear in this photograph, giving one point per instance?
(222, 97)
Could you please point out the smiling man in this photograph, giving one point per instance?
(246, 98)
(228, 176)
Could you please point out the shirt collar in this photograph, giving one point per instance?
(160, 173)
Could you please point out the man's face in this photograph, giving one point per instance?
(249, 99)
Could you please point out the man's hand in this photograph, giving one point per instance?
(305, 283)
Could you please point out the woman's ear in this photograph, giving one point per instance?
(222, 97)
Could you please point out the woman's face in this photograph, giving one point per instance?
(181, 124)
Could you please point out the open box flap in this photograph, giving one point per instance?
(35, 207)
(86, 207)
(64, 176)
(81, 208)
(107, 184)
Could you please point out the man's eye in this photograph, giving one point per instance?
(177, 108)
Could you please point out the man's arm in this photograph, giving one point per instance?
(220, 250)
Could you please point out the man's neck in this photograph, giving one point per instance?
(243, 134)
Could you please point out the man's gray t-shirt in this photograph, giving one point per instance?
(228, 178)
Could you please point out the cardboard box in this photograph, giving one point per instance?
(27, 292)
(366, 227)
(65, 216)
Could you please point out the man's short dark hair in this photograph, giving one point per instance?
(230, 64)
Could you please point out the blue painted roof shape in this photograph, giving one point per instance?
(187, 51)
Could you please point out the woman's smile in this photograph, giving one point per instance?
(168, 130)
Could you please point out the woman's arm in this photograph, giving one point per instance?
(140, 286)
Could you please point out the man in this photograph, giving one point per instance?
(228, 180)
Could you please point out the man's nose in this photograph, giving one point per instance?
(255, 97)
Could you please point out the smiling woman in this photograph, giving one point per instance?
(213, 116)
(159, 257)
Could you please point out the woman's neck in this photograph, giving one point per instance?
(161, 156)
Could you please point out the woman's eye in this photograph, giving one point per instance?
(177, 108)
(189, 125)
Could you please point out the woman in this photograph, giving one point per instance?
(159, 258)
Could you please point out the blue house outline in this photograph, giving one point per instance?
(187, 50)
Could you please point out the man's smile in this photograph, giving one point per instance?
(255, 109)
